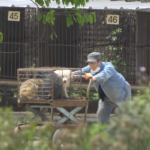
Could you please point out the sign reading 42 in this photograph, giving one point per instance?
(13, 15)
(112, 19)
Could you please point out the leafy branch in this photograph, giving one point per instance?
(73, 15)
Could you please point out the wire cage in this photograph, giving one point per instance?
(47, 84)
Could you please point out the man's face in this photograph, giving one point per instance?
(93, 66)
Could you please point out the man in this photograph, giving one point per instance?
(110, 85)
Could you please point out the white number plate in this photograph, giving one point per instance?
(13, 15)
(113, 19)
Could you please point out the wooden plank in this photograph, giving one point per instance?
(68, 103)
(41, 106)
(8, 82)
(34, 101)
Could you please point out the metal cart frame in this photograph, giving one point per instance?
(44, 105)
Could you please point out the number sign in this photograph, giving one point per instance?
(113, 19)
(13, 15)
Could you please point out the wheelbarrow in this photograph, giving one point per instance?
(39, 107)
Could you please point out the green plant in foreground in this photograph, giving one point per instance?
(128, 130)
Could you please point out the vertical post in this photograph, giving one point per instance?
(136, 49)
(52, 114)
(87, 96)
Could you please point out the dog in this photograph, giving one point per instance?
(66, 76)
(29, 89)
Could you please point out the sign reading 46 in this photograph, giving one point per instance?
(112, 19)
(13, 15)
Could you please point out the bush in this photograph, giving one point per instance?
(129, 130)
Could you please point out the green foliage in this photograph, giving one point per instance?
(51, 36)
(39, 17)
(93, 94)
(1, 37)
(69, 20)
(40, 2)
(74, 92)
(128, 130)
(50, 17)
(23, 139)
(74, 15)
(114, 53)
(47, 2)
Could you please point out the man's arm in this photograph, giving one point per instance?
(105, 74)
(84, 70)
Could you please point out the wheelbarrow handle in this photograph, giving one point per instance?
(78, 76)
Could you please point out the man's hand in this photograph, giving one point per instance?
(89, 76)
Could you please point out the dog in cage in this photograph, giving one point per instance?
(29, 88)
(66, 76)
(39, 86)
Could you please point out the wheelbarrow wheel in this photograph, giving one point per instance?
(56, 135)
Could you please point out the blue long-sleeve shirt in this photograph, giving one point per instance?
(112, 83)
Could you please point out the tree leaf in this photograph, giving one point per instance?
(40, 2)
(94, 16)
(82, 20)
(113, 32)
(47, 2)
(90, 19)
(58, 2)
(74, 19)
(69, 20)
(1, 37)
(86, 18)
(50, 17)
(39, 17)
(51, 36)
(44, 19)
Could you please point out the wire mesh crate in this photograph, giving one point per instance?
(47, 84)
